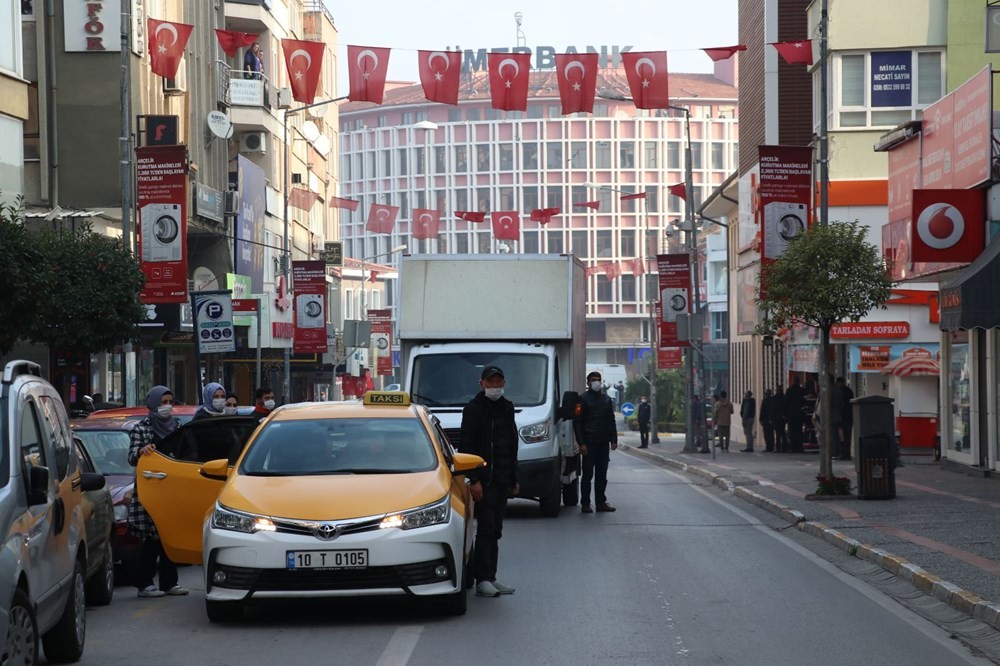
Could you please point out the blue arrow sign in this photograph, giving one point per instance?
(628, 409)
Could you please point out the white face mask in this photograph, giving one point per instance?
(596, 386)
(218, 404)
(269, 404)
(165, 411)
(229, 411)
(493, 393)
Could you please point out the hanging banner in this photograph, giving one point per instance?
(309, 283)
(381, 321)
(161, 197)
(213, 321)
(675, 295)
(892, 78)
(785, 196)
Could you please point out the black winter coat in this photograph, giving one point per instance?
(596, 422)
(482, 421)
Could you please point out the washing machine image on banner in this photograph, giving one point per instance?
(309, 311)
(675, 302)
(783, 222)
(161, 232)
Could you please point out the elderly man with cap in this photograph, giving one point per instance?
(597, 435)
(489, 431)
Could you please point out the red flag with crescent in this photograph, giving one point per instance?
(506, 224)
(166, 46)
(439, 75)
(470, 215)
(303, 60)
(717, 53)
(593, 205)
(230, 40)
(577, 73)
(630, 197)
(381, 218)
(544, 215)
(638, 266)
(612, 270)
(509, 73)
(646, 72)
(679, 190)
(591, 270)
(340, 202)
(366, 68)
(426, 223)
(795, 53)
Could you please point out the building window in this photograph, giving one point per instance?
(628, 244)
(404, 204)
(461, 199)
(530, 242)
(507, 198)
(554, 155)
(579, 240)
(454, 115)
(597, 329)
(530, 196)
(554, 197)
(418, 159)
(883, 88)
(472, 114)
(462, 159)
(536, 110)
(554, 244)
(626, 154)
(697, 155)
(506, 157)
(602, 247)
(604, 290)
(600, 110)
(673, 155)
(483, 242)
(720, 325)
(440, 159)
(401, 153)
(482, 158)
(602, 155)
(482, 199)
(628, 288)
(578, 155)
(462, 243)
(650, 149)
(718, 159)
(579, 194)
(529, 156)
(408, 118)
(387, 162)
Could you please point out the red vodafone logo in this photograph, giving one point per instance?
(940, 226)
(948, 226)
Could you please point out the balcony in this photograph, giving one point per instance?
(253, 102)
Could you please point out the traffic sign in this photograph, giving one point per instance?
(213, 321)
(628, 409)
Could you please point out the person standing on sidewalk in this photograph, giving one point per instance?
(722, 419)
(642, 416)
(597, 435)
(846, 417)
(795, 400)
(767, 419)
(779, 420)
(489, 431)
(748, 413)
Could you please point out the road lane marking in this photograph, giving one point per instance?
(400, 647)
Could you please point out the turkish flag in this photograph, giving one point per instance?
(948, 225)
(166, 46)
(439, 75)
(612, 270)
(470, 215)
(717, 53)
(544, 215)
(303, 60)
(509, 74)
(590, 270)
(629, 197)
(593, 205)
(678, 190)
(301, 198)
(506, 225)
(339, 202)
(646, 72)
(638, 266)
(366, 69)
(577, 74)
(381, 218)
(230, 40)
(372, 275)
(426, 223)
(795, 53)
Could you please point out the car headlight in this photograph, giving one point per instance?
(431, 514)
(237, 521)
(121, 512)
(536, 432)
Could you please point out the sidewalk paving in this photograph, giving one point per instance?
(941, 532)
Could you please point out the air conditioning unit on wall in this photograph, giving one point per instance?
(176, 85)
(318, 242)
(253, 142)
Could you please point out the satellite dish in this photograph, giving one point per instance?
(310, 131)
(322, 145)
(204, 279)
(219, 124)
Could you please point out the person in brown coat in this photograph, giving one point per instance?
(722, 418)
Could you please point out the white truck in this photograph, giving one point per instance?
(523, 313)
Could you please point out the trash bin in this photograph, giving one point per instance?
(874, 447)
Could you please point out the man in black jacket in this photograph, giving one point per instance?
(597, 435)
(643, 416)
(795, 400)
(489, 431)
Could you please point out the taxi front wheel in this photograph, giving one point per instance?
(224, 611)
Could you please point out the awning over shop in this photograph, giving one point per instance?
(972, 298)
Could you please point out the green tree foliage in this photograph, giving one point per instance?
(68, 288)
(829, 274)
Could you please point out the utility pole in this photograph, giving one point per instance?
(125, 164)
(826, 432)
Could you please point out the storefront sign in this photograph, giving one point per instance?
(309, 279)
(241, 288)
(91, 26)
(161, 196)
(871, 329)
(675, 295)
(381, 345)
(209, 202)
(803, 358)
(670, 359)
(892, 78)
(785, 196)
(873, 358)
(213, 321)
(250, 222)
(956, 135)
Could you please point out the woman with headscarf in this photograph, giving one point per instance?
(145, 437)
(213, 401)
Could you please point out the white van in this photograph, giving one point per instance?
(611, 373)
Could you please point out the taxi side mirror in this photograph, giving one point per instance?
(217, 470)
(466, 462)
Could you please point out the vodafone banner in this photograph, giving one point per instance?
(948, 225)
(675, 295)
(309, 283)
(161, 196)
(381, 321)
(786, 184)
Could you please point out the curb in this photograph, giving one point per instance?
(958, 598)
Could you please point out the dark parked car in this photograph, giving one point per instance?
(99, 519)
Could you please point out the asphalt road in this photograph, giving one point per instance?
(679, 575)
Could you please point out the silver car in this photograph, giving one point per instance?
(44, 558)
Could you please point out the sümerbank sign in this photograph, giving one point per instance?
(544, 57)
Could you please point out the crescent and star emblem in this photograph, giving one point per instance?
(576, 64)
(638, 70)
(506, 221)
(382, 214)
(425, 219)
(512, 63)
(300, 53)
(162, 48)
(367, 53)
(438, 75)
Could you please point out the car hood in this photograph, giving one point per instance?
(119, 484)
(334, 496)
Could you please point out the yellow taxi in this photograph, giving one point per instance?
(326, 499)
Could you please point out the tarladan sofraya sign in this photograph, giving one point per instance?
(309, 282)
(381, 321)
(785, 196)
(162, 194)
(675, 295)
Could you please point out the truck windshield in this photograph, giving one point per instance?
(451, 380)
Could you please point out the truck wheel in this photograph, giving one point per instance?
(549, 505)
(571, 493)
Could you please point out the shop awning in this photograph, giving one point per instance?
(972, 298)
(913, 363)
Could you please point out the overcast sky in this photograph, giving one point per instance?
(680, 27)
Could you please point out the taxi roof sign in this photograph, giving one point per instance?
(398, 398)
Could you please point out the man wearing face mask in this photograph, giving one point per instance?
(263, 403)
(489, 431)
(643, 416)
(597, 435)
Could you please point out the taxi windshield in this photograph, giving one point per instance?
(340, 446)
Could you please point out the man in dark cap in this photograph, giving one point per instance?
(597, 435)
(489, 431)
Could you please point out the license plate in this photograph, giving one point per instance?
(327, 559)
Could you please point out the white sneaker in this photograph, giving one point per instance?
(503, 589)
(487, 589)
(176, 591)
(151, 591)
